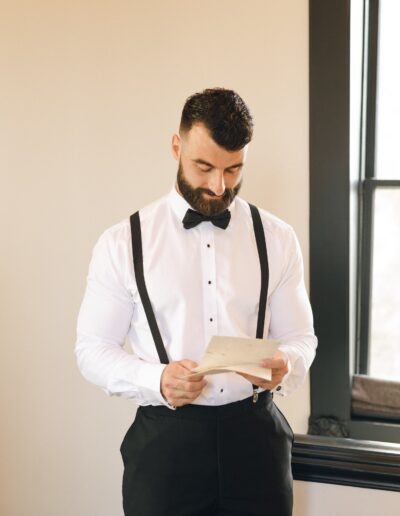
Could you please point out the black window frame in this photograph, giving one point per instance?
(333, 229)
(369, 183)
(336, 440)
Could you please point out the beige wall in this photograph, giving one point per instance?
(312, 499)
(90, 94)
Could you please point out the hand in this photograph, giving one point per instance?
(176, 389)
(279, 367)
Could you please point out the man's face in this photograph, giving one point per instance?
(209, 177)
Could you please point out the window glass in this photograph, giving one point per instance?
(388, 92)
(385, 301)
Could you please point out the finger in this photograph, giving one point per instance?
(180, 371)
(200, 384)
(193, 386)
(278, 376)
(281, 371)
(185, 386)
(190, 377)
(176, 389)
(176, 397)
(268, 386)
(274, 363)
(185, 378)
(260, 382)
(193, 377)
(278, 361)
(188, 365)
(183, 372)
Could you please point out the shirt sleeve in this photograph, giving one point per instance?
(291, 318)
(103, 323)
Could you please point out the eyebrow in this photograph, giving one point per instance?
(203, 162)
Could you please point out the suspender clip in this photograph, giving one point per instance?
(255, 395)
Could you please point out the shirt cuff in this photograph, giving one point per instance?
(148, 380)
(280, 388)
(167, 404)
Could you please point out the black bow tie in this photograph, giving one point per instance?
(193, 218)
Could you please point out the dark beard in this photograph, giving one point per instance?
(194, 196)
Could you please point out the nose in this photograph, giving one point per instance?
(218, 183)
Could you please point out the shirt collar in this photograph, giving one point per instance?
(180, 205)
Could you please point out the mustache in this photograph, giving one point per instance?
(227, 192)
(209, 192)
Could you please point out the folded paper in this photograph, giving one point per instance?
(237, 354)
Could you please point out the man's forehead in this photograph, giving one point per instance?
(198, 133)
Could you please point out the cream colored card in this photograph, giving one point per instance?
(236, 354)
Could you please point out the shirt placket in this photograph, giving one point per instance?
(209, 282)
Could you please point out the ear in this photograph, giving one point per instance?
(176, 147)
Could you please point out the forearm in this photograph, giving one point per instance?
(117, 372)
(104, 320)
(292, 320)
(301, 353)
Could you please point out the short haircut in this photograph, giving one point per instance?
(224, 114)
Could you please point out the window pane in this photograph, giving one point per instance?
(385, 307)
(388, 91)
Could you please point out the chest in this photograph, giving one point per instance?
(185, 270)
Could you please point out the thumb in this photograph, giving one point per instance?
(278, 362)
(188, 364)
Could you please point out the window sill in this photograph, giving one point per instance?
(331, 460)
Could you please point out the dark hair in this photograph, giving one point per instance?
(224, 114)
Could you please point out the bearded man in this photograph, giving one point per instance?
(196, 263)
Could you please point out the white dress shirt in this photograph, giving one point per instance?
(202, 282)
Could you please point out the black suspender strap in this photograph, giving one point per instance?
(141, 285)
(262, 254)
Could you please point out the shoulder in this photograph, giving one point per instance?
(273, 225)
(153, 209)
(115, 235)
(284, 253)
(112, 253)
(120, 233)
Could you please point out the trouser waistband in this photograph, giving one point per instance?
(207, 411)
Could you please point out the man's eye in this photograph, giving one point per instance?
(204, 168)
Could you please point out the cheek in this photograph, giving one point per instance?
(191, 175)
(233, 180)
(199, 181)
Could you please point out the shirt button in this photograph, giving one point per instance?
(278, 388)
(211, 319)
(208, 245)
(221, 390)
(209, 282)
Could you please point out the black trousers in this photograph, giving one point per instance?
(206, 461)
